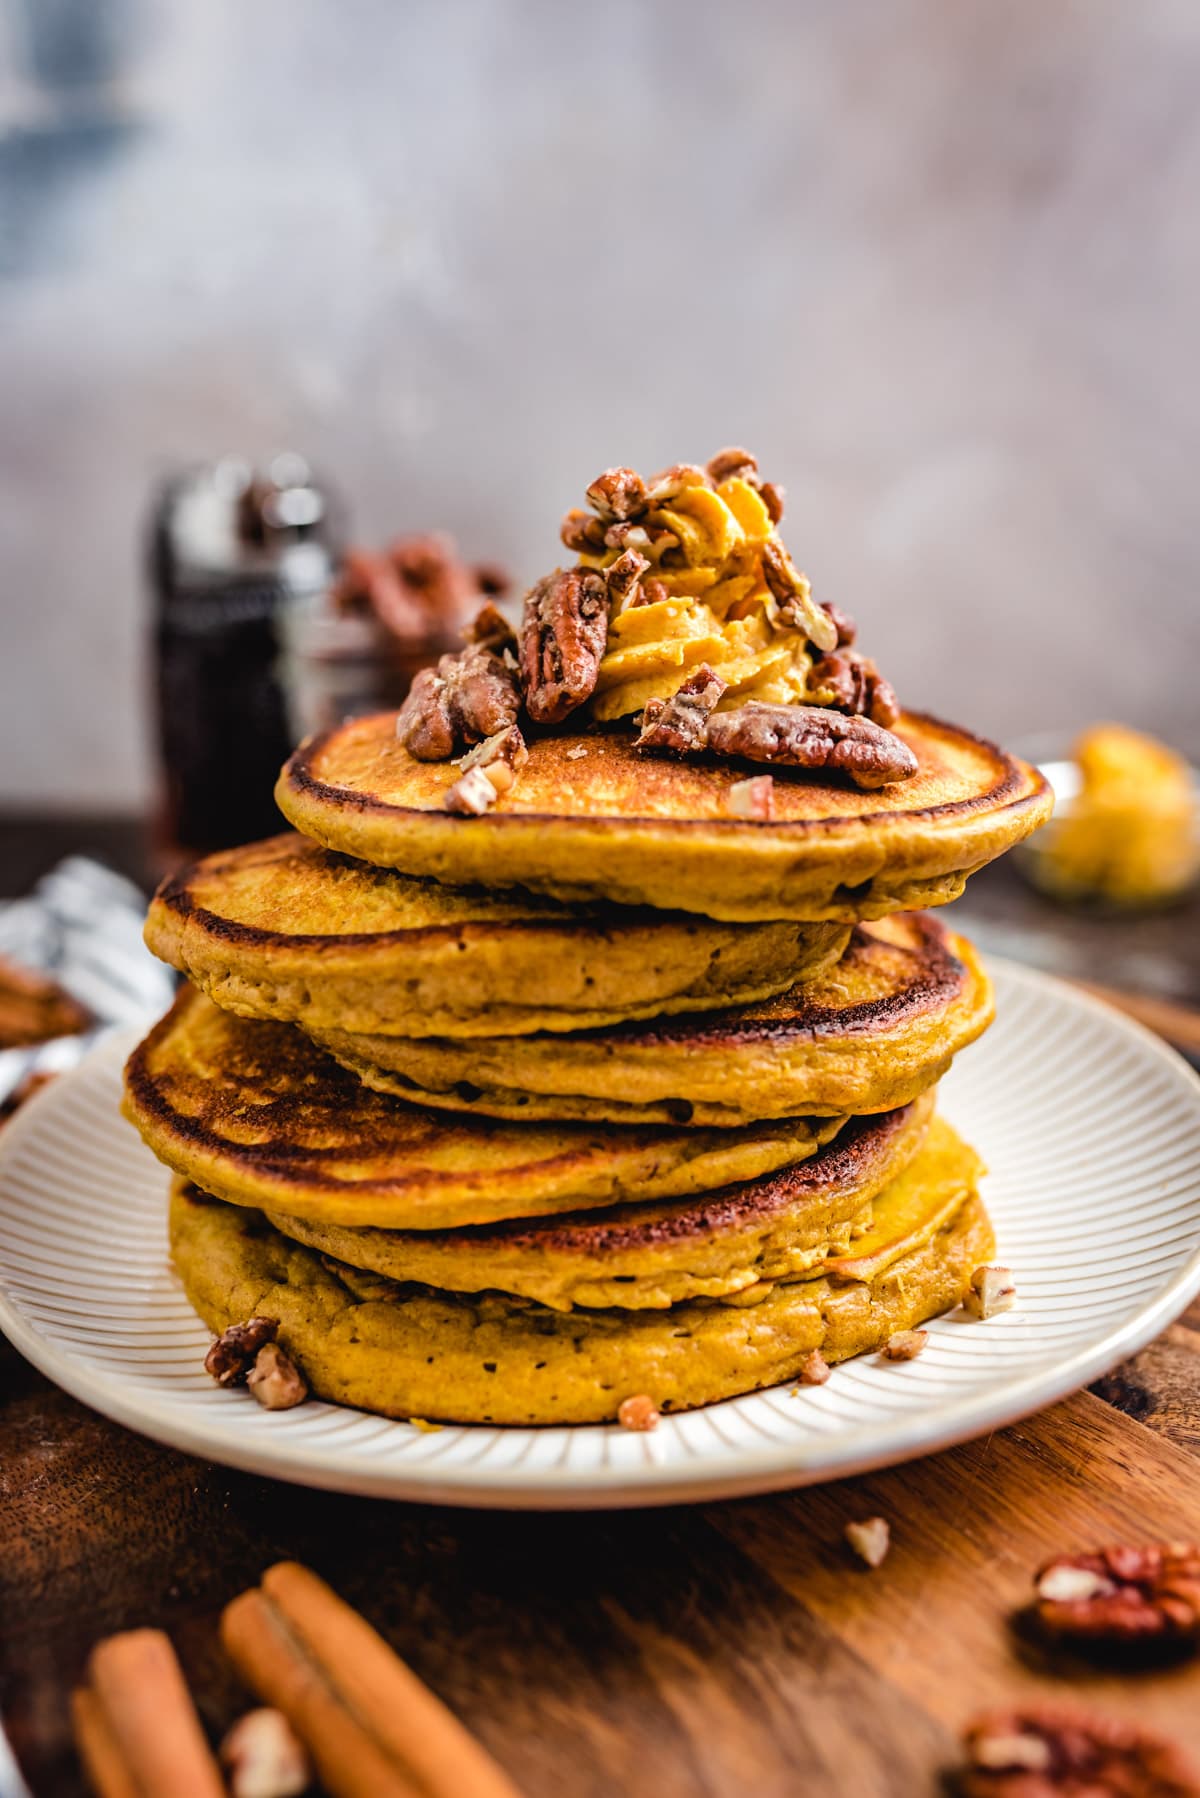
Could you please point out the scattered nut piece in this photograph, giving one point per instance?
(576, 753)
(472, 794)
(905, 1345)
(1036, 1752)
(638, 1413)
(488, 770)
(870, 1538)
(232, 1355)
(679, 725)
(1122, 1596)
(814, 1369)
(264, 1758)
(991, 1291)
(753, 798)
(275, 1380)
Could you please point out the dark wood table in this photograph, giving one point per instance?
(725, 1649)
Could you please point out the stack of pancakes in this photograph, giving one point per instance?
(509, 1118)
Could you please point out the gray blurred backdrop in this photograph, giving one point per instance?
(936, 261)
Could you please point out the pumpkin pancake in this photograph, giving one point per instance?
(590, 818)
(877, 1030)
(256, 1114)
(284, 929)
(639, 1256)
(408, 1350)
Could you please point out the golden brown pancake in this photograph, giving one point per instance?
(609, 823)
(409, 1350)
(877, 1030)
(286, 930)
(719, 1245)
(255, 1113)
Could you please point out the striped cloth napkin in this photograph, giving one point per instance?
(82, 924)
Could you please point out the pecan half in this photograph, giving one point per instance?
(679, 725)
(618, 493)
(854, 684)
(623, 579)
(805, 736)
(1041, 1751)
(562, 640)
(729, 462)
(467, 697)
(232, 1355)
(1122, 1595)
(582, 532)
(489, 770)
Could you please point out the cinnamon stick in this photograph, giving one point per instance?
(373, 1729)
(105, 1766)
(138, 1689)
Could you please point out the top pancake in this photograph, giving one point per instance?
(608, 823)
(286, 930)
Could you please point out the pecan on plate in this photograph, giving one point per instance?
(275, 1380)
(806, 736)
(1052, 1752)
(487, 771)
(855, 685)
(562, 640)
(1122, 1596)
(679, 725)
(467, 697)
(232, 1355)
(618, 493)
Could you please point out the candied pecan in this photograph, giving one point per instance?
(623, 579)
(1043, 1750)
(275, 1380)
(1123, 1595)
(669, 483)
(842, 622)
(772, 496)
(467, 697)
(791, 592)
(638, 1413)
(679, 725)
(491, 629)
(582, 532)
(232, 1355)
(562, 640)
(870, 1539)
(854, 684)
(753, 798)
(729, 462)
(806, 736)
(618, 493)
(264, 1758)
(628, 535)
(489, 770)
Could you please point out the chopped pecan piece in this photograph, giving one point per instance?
(641, 537)
(491, 630)
(991, 1291)
(679, 725)
(870, 1539)
(488, 770)
(582, 532)
(669, 483)
(562, 640)
(467, 697)
(1042, 1751)
(618, 493)
(1122, 1595)
(814, 1369)
(791, 592)
(805, 736)
(275, 1380)
(842, 622)
(623, 578)
(753, 798)
(855, 685)
(905, 1345)
(638, 1413)
(729, 462)
(232, 1355)
(772, 496)
(652, 592)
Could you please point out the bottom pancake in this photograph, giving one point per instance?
(407, 1350)
(636, 1257)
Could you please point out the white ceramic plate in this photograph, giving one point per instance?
(1091, 1130)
